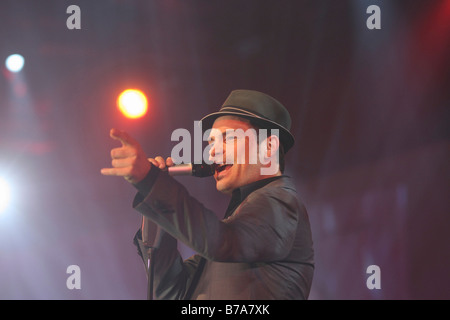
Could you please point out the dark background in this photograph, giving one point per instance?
(370, 111)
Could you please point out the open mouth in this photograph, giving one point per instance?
(223, 167)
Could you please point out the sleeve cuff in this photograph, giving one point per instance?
(145, 185)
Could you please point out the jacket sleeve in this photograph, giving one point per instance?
(261, 229)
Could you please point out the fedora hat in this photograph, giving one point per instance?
(260, 108)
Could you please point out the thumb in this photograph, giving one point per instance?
(122, 136)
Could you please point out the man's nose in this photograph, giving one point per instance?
(214, 152)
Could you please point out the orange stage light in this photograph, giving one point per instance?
(132, 103)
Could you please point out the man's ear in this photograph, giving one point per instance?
(269, 155)
(273, 145)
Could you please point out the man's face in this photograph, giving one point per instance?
(237, 170)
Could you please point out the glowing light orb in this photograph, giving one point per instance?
(132, 103)
(15, 62)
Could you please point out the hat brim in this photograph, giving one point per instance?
(286, 138)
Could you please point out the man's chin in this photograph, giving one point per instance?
(223, 187)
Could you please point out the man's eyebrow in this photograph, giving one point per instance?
(212, 138)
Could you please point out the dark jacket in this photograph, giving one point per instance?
(263, 250)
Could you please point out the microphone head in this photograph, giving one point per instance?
(203, 170)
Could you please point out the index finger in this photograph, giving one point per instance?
(122, 136)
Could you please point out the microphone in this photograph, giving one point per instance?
(192, 169)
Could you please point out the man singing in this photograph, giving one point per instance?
(262, 248)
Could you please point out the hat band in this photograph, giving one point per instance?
(243, 111)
